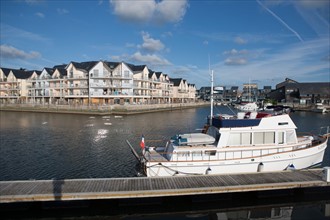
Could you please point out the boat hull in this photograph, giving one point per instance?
(297, 159)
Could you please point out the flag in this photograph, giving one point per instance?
(142, 145)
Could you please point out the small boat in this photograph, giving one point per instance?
(277, 109)
(248, 107)
(319, 108)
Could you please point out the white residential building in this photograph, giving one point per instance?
(94, 83)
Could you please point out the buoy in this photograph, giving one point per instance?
(260, 167)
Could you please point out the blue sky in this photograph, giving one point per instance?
(257, 41)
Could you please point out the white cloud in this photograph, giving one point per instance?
(171, 11)
(234, 52)
(313, 4)
(301, 61)
(235, 61)
(150, 10)
(150, 59)
(240, 40)
(236, 57)
(139, 11)
(150, 44)
(40, 15)
(9, 52)
(62, 11)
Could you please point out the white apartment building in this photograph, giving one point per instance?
(93, 82)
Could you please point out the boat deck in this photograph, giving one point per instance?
(142, 187)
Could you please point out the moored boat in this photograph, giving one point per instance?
(232, 145)
(243, 143)
(319, 108)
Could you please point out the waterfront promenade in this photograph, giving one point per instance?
(100, 109)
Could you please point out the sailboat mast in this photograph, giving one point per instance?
(211, 116)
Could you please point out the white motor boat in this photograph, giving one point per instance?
(259, 143)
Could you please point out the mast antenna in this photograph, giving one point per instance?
(211, 72)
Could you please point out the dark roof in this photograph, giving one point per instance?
(6, 71)
(18, 73)
(50, 71)
(286, 82)
(62, 66)
(176, 81)
(310, 88)
(21, 74)
(135, 68)
(85, 65)
(150, 74)
(111, 65)
(158, 74)
(62, 71)
(38, 72)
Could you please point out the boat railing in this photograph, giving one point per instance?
(213, 155)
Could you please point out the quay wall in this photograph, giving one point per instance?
(100, 109)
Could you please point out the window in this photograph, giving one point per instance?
(291, 137)
(269, 137)
(197, 153)
(126, 73)
(264, 137)
(236, 139)
(184, 154)
(96, 73)
(280, 138)
(258, 138)
(210, 152)
(246, 138)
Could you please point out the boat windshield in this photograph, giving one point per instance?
(214, 132)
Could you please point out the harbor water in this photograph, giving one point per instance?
(72, 146)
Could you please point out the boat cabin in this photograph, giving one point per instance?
(238, 134)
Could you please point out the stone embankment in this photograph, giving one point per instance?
(100, 109)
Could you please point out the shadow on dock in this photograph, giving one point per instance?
(57, 189)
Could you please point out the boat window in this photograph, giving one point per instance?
(214, 132)
(184, 154)
(280, 138)
(169, 151)
(258, 138)
(269, 137)
(264, 138)
(246, 138)
(240, 139)
(210, 152)
(234, 139)
(197, 153)
(291, 137)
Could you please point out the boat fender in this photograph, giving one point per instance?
(208, 171)
(260, 167)
(291, 167)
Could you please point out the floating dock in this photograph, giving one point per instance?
(146, 187)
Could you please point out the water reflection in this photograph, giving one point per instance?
(315, 211)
